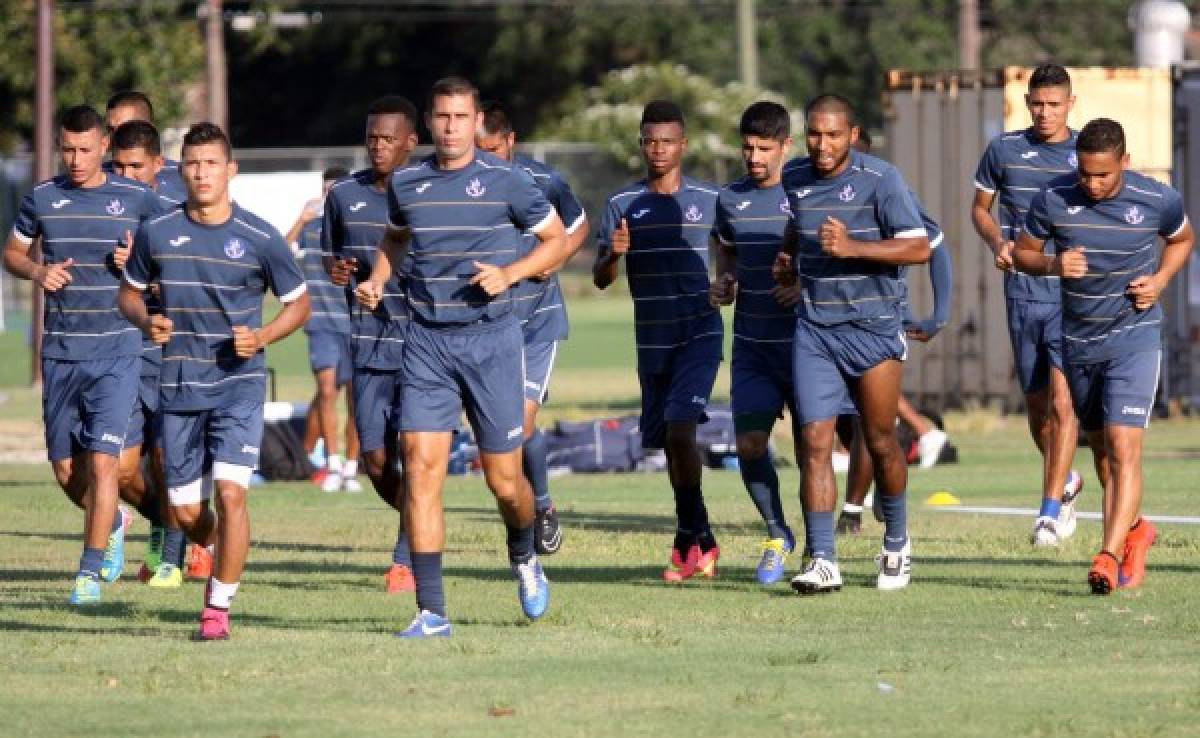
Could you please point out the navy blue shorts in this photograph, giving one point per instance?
(331, 350)
(195, 442)
(761, 377)
(144, 424)
(679, 394)
(86, 405)
(827, 362)
(1035, 330)
(477, 369)
(376, 406)
(1119, 391)
(539, 365)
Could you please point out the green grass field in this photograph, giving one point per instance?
(992, 638)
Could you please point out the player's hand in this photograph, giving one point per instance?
(159, 328)
(491, 279)
(620, 240)
(343, 270)
(722, 290)
(1004, 258)
(246, 341)
(789, 296)
(313, 209)
(369, 294)
(122, 252)
(53, 277)
(835, 238)
(783, 270)
(1071, 264)
(917, 333)
(1144, 291)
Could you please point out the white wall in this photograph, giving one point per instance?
(277, 197)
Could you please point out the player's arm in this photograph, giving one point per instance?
(906, 248)
(1144, 291)
(546, 256)
(611, 244)
(312, 210)
(1029, 255)
(989, 230)
(723, 288)
(339, 268)
(131, 297)
(295, 313)
(941, 277)
(393, 248)
(50, 277)
(574, 219)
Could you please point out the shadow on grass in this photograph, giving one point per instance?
(609, 522)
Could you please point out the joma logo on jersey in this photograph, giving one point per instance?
(640, 213)
(801, 194)
(248, 449)
(234, 248)
(1074, 209)
(60, 203)
(698, 400)
(357, 206)
(1133, 216)
(116, 207)
(847, 194)
(110, 438)
(1029, 154)
(1130, 410)
(423, 186)
(693, 214)
(476, 188)
(743, 205)
(180, 241)
(784, 207)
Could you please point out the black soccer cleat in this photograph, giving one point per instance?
(547, 533)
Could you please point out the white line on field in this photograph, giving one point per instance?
(1031, 512)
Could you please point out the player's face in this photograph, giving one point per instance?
(1100, 173)
(829, 137)
(764, 157)
(452, 123)
(206, 171)
(390, 140)
(137, 163)
(82, 154)
(663, 147)
(123, 114)
(1049, 108)
(498, 144)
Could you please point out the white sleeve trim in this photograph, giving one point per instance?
(293, 295)
(1179, 230)
(983, 188)
(550, 217)
(21, 236)
(912, 233)
(578, 223)
(134, 283)
(937, 241)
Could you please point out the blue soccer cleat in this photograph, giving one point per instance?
(426, 625)
(772, 565)
(533, 589)
(114, 552)
(86, 591)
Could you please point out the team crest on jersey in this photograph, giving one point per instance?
(693, 214)
(476, 188)
(847, 194)
(116, 207)
(234, 248)
(1133, 216)
(784, 207)
(1073, 160)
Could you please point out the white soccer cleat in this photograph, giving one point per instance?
(332, 482)
(819, 576)
(929, 447)
(1066, 514)
(895, 568)
(351, 485)
(1045, 532)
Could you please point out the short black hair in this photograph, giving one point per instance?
(662, 111)
(1049, 75)
(394, 105)
(80, 119)
(207, 133)
(334, 173)
(864, 140)
(1100, 135)
(132, 98)
(830, 102)
(766, 119)
(137, 134)
(495, 119)
(452, 86)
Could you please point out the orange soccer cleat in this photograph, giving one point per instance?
(1133, 559)
(400, 579)
(1103, 575)
(200, 562)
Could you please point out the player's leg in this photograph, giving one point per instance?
(539, 364)
(61, 388)
(1060, 482)
(930, 439)
(353, 448)
(859, 477)
(327, 423)
(426, 457)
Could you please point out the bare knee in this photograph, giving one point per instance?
(880, 443)
(62, 473)
(188, 516)
(231, 497)
(681, 439)
(375, 462)
(816, 443)
(752, 446)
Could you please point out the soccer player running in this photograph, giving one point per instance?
(539, 304)
(854, 226)
(86, 220)
(661, 226)
(329, 346)
(455, 223)
(752, 215)
(131, 105)
(1014, 168)
(1102, 225)
(213, 261)
(355, 220)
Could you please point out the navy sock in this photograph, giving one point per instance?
(895, 521)
(427, 570)
(90, 562)
(520, 544)
(684, 539)
(117, 518)
(533, 461)
(173, 548)
(818, 535)
(763, 485)
(400, 552)
(689, 509)
(1050, 508)
(150, 510)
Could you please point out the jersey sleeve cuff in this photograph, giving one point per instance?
(578, 223)
(1179, 230)
(912, 233)
(937, 241)
(541, 226)
(22, 237)
(134, 283)
(294, 294)
(984, 188)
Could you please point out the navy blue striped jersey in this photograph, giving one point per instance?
(354, 223)
(212, 278)
(458, 217)
(1119, 237)
(666, 266)
(871, 198)
(539, 303)
(87, 225)
(1015, 167)
(752, 220)
(168, 182)
(330, 311)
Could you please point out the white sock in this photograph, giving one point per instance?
(850, 508)
(221, 594)
(334, 463)
(350, 469)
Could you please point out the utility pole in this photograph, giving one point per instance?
(216, 78)
(747, 34)
(43, 156)
(970, 38)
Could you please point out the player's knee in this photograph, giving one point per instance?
(62, 473)
(681, 438)
(188, 516)
(231, 497)
(880, 442)
(752, 445)
(1063, 410)
(374, 462)
(816, 442)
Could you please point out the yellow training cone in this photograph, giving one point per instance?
(942, 499)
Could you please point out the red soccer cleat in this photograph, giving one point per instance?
(200, 562)
(1133, 559)
(1103, 575)
(400, 579)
